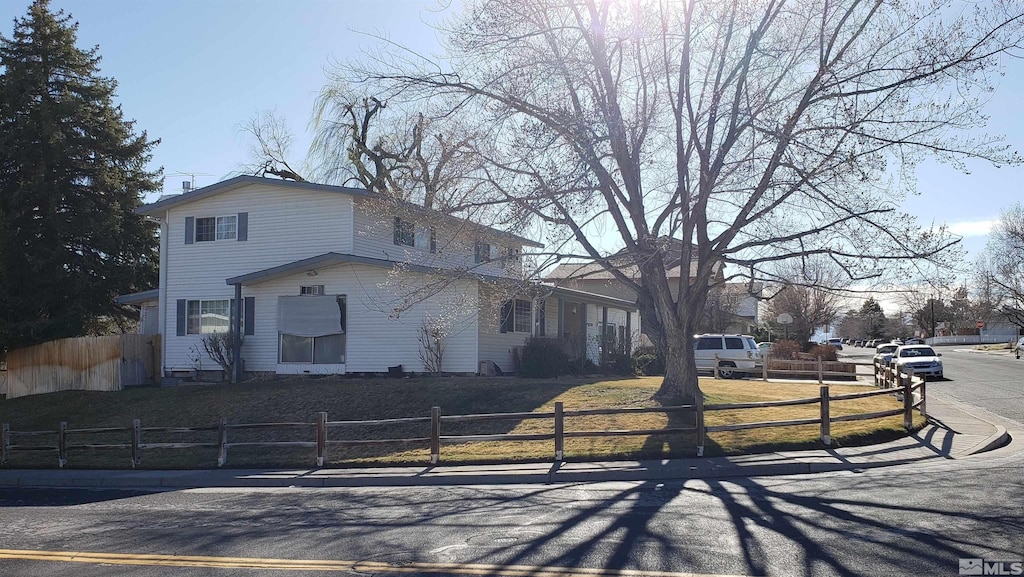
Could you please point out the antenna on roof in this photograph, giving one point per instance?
(190, 184)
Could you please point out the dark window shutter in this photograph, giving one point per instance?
(250, 315)
(190, 230)
(506, 317)
(541, 321)
(182, 320)
(243, 226)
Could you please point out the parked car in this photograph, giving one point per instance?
(734, 352)
(1019, 347)
(913, 341)
(837, 343)
(922, 358)
(883, 353)
(859, 343)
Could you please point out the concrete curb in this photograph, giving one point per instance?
(993, 441)
(675, 470)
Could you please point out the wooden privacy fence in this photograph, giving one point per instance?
(320, 440)
(777, 368)
(107, 363)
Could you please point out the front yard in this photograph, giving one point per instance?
(299, 399)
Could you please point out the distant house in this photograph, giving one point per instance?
(731, 308)
(333, 280)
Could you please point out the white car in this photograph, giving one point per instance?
(734, 351)
(883, 353)
(922, 358)
(1019, 347)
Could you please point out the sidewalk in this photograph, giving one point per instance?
(952, 433)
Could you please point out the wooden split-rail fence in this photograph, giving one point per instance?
(65, 440)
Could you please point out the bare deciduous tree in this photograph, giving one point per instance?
(753, 133)
(1001, 270)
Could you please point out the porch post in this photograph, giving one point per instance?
(604, 335)
(236, 341)
(561, 318)
(583, 326)
(629, 333)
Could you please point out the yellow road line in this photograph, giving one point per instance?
(326, 565)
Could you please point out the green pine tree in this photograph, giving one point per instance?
(72, 171)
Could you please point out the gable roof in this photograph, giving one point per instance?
(156, 208)
(325, 260)
(330, 259)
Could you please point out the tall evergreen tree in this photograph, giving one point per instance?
(72, 171)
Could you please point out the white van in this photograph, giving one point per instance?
(734, 351)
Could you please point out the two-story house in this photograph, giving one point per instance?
(329, 279)
(731, 307)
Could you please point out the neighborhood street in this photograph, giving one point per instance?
(914, 520)
(991, 381)
(905, 520)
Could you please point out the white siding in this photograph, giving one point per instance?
(493, 344)
(375, 339)
(374, 237)
(283, 226)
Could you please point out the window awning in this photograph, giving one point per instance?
(309, 316)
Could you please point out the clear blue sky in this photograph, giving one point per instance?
(191, 72)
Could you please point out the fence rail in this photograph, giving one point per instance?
(136, 446)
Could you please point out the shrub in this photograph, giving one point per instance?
(785, 350)
(542, 358)
(619, 364)
(826, 352)
(647, 362)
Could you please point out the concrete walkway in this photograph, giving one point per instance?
(955, 431)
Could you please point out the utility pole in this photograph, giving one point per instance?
(933, 316)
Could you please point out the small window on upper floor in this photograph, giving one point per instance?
(405, 232)
(483, 252)
(211, 228)
(316, 289)
(514, 254)
(216, 228)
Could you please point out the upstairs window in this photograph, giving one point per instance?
(211, 228)
(316, 289)
(405, 232)
(483, 252)
(514, 254)
(216, 228)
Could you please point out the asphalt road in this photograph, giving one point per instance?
(895, 521)
(908, 520)
(992, 381)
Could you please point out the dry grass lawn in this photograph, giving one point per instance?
(299, 399)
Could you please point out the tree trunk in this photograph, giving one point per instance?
(680, 385)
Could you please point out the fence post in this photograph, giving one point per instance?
(5, 442)
(62, 444)
(826, 422)
(136, 442)
(908, 403)
(222, 456)
(819, 370)
(435, 435)
(874, 370)
(559, 431)
(924, 399)
(321, 438)
(700, 423)
(764, 368)
(716, 366)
